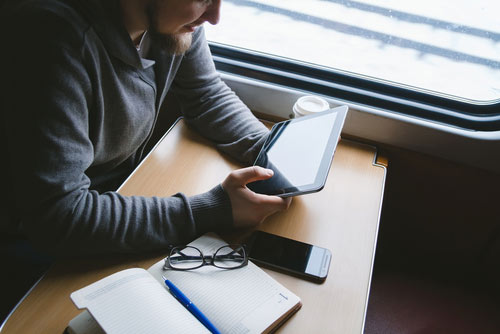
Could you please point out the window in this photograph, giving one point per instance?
(445, 55)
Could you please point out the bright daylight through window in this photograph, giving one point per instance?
(449, 47)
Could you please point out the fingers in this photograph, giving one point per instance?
(250, 208)
(288, 201)
(250, 174)
(253, 210)
(274, 203)
(240, 177)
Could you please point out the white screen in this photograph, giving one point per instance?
(297, 153)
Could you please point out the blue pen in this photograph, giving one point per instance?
(191, 307)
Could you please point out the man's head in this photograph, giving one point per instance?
(172, 22)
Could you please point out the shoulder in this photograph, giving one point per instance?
(199, 35)
(199, 45)
(199, 39)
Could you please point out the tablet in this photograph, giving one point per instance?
(300, 152)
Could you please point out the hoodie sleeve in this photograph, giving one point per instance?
(212, 108)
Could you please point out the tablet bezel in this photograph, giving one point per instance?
(326, 160)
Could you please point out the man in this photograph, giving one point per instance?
(84, 82)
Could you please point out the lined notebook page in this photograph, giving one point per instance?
(132, 301)
(244, 300)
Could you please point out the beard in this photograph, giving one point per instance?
(175, 44)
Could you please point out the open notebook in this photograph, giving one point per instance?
(244, 300)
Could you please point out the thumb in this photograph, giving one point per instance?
(251, 174)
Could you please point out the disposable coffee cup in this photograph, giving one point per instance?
(309, 104)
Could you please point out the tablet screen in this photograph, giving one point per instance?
(300, 151)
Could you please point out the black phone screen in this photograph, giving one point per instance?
(289, 255)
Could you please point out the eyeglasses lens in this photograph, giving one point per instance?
(185, 258)
(227, 257)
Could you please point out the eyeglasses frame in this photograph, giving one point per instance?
(208, 260)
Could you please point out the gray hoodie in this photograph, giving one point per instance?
(78, 107)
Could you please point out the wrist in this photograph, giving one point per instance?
(212, 210)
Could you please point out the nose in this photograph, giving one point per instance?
(212, 13)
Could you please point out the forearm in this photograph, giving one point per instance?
(227, 122)
(213, 109)
(87, 222)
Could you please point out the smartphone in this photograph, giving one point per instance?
(289, 256)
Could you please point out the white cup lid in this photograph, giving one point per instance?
(310, 104)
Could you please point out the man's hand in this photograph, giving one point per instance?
(249, 208)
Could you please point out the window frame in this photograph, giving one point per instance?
(447, 110)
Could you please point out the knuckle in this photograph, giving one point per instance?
(255, 170)
(232, 177)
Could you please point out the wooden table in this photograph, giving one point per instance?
(343, 217)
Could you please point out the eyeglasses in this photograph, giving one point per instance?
(188, 258)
